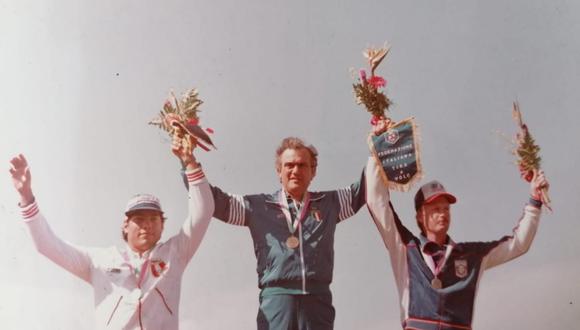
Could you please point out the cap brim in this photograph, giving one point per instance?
(450, 198)
(144, 208)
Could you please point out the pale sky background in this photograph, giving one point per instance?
(79, 80)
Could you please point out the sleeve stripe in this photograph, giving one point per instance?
(237, 211)
(29, 211)
(195, 176)
(345, 200)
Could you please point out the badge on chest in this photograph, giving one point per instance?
(461, 268)
(158, 267)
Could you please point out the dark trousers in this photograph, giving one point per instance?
(296, 312)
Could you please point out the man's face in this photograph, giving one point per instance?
(435, 216)
(143, 229)
(296, 171)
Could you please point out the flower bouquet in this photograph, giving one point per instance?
(182, 116)
(394, 145)
(527, 153)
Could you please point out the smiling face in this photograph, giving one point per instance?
(296, 171)
(143, 229)
(435, 218)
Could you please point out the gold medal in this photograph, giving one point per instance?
(436, 283)
(292, 242)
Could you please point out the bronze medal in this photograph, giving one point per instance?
(292, 242)
(436, 283)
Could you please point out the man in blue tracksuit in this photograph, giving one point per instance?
(293, 234)
(437, 278)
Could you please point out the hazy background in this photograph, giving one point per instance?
(79, 80)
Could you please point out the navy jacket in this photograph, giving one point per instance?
(450, 307)
(281, 269)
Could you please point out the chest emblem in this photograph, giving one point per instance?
(316, 214)
(158, 267)
(461, 269)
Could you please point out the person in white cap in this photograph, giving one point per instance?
(437, 278)
(137, 287)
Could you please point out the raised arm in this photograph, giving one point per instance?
(510, 247)
(395, 236)
(352, 198)
(230, 208)
(392, 231)
(201, 204)
(74, 259)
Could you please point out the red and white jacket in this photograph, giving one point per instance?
(126, 298)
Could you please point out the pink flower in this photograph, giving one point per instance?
(377, 81)
(526, 174)
(375, 120)
(362, 76)
(193, 121)
(209, 130)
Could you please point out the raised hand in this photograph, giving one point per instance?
(21, 179)
(182, 146)
(539, 187)
(381, 125)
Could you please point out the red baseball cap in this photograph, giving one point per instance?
(429, 192)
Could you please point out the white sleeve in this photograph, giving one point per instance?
(72, 258)
(518, 243)
(378, 201)
(201, 207)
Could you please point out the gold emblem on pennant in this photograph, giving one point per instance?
(392, 136)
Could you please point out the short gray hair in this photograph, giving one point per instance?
(295, 143)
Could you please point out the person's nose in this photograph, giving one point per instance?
(147, 223)
(294, 170)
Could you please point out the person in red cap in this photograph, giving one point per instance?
(437, 278)
(136, 287)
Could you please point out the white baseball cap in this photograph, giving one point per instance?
(143, 202)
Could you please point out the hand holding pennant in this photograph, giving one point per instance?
(394, 145)
(528, 158)
(180, 116)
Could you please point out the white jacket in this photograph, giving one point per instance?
(122, 300)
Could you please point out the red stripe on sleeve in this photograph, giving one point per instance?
(29, 211)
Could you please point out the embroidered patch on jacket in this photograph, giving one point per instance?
(158, 267)
(316, 214)
(461, 268)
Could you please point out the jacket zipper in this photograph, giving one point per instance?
(114, 310)
(140, 320)
(303, 266)
(164, 301)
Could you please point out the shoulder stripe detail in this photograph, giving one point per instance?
(29, 211)
(345, 200)
(237, 211)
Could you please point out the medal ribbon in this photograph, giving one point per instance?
(436, 267)
(286, 210)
